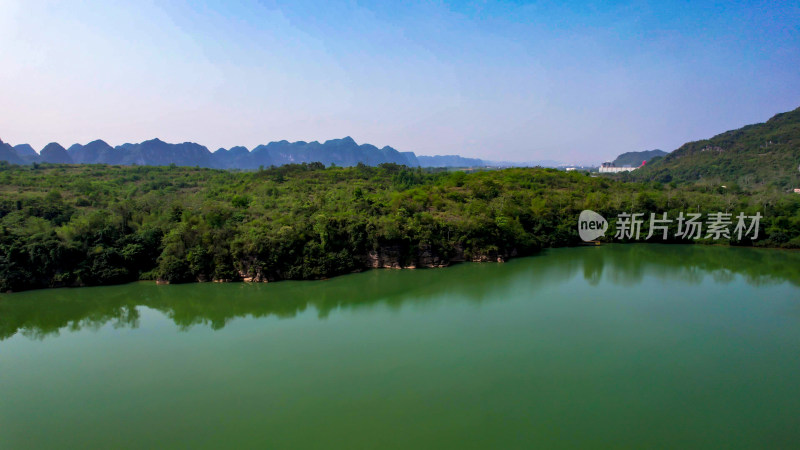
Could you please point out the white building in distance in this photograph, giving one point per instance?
(608, 167)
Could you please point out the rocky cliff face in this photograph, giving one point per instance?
(388, 257)
(391, 257)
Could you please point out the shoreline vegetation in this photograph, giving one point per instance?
(188, 305)
(84, 225)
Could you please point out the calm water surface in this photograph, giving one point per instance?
(641, 346)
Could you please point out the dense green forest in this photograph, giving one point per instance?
(76, 225)
(764, 154)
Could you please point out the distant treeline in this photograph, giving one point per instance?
(75, 225)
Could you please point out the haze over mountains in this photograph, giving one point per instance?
(155, 152)
(752, 154)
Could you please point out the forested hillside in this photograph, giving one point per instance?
(71, 225)
(635, 159)
(755, 155)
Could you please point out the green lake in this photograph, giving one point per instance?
(640, 346)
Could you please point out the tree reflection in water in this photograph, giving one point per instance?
(37, 314)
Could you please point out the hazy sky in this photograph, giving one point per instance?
(571, 81)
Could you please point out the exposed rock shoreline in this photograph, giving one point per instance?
(387, 257)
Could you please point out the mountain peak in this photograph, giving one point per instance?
(7, 153)
(347, 141)
(24, 150)
(53, 146)
(55, 153)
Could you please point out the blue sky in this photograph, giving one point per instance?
(575, 82)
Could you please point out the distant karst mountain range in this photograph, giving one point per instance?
(155, 152)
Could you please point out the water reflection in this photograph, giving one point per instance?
(627, 265)
(38, 314)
